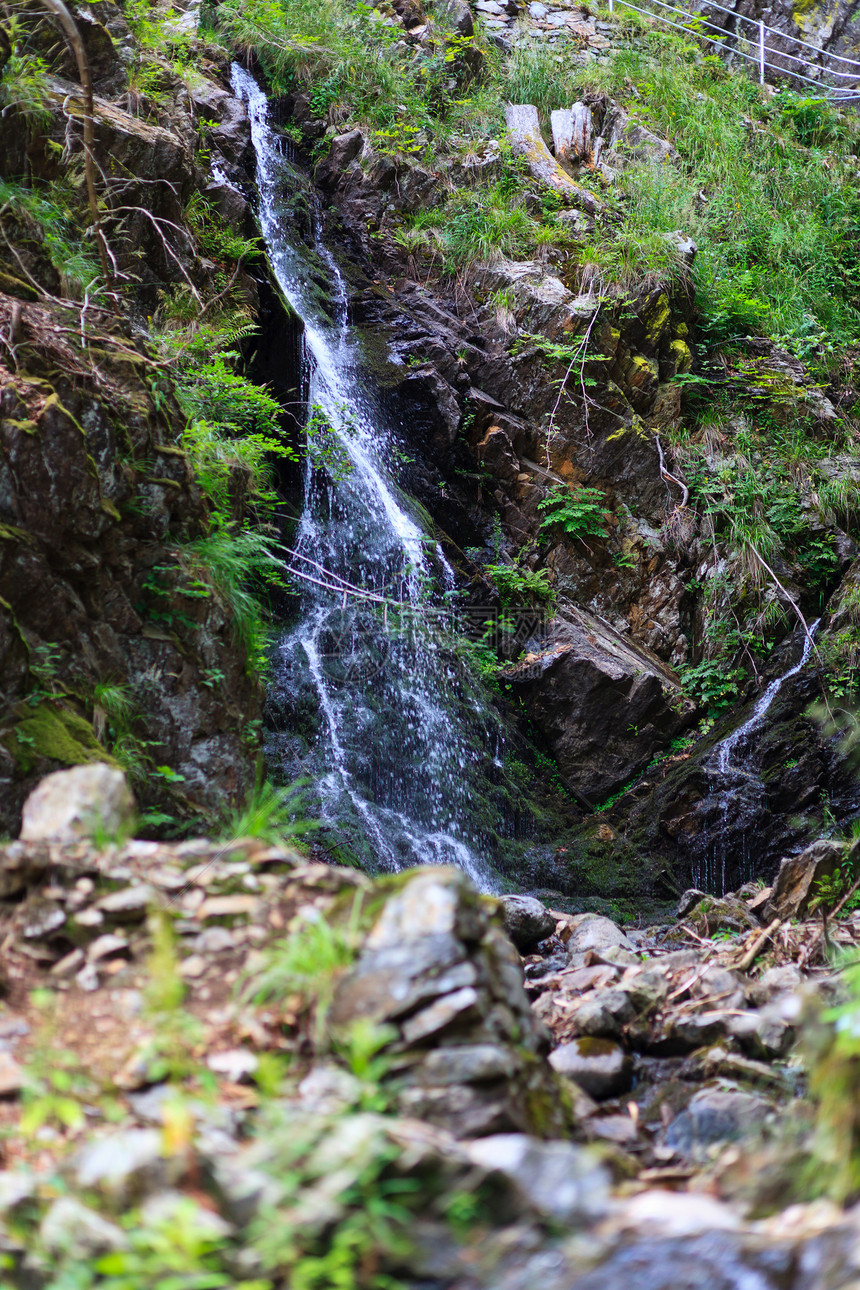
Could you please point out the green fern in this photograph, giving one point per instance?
(579, 513)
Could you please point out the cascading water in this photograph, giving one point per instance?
(739, 792)
(404, 739)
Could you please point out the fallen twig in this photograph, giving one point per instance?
(749, 956)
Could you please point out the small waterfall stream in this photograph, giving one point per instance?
(739, 791)
(404, 739)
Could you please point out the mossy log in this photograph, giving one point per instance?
(526, 141)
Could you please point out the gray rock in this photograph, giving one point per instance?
(694, 1030)
(713, 1116)
(599, 1066)
(689, 901)
(236, 1063)
(16, 1186)
(149, 1105)
(130, 1161)
(685, 246)
(605, 1014)
(460, 1006)
(102, 946)
(345, 148)
(11, 1075)
(647, 989)
(41, 918)
(71, 804)
(434, 965)
(88, 977)
(72, 1229)
(161, 1208)
(799, 876)
(129, 904)
(558, 1180)
(463, 1064)
(526, 921)
(215, 940)
(597, 933)
(777, 979)
(604, 707)
(761, 1034)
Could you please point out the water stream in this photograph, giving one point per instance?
(403, 738)
(735, 783)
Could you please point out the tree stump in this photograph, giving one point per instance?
(526, 141)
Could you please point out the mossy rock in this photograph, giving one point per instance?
(53, 732)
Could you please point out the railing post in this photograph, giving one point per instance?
(761, 53)
(611, 6)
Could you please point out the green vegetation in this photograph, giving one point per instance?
(43, 219)
(579, 512)
(518, 585)
(271, 813)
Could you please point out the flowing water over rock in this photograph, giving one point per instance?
(405, 738)
(737, 795)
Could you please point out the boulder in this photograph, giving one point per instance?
(70, 804)
(604, 705)
(527, 921)
(71, 1229)
(689, 901)
(714, 1115)
(600, 1067)
(798, 878)
(560, 1181)
(597, 933)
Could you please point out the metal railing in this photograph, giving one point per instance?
(756, 49)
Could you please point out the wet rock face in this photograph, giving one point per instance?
(97, 498)
(468, 1051)
(94, 497)
(603, 707)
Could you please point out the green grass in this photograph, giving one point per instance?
(766, 187)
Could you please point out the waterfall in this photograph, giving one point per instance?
(403, 738)
(737, 790)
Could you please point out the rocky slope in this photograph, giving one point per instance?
(116, 640)
(421, 1136)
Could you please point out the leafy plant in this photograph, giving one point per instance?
(579, 512)
(713, 683)
(518, 585)
(308, 962)
(324, 444)
(271, 813)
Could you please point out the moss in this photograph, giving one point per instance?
(658, 318)
(591, 1046)
(13, 286)
(53, 732)
(9, 533)
(641, 372)
(170, 449)
(53, 400)
(22, 425)
(681, 355)
(547, 1102)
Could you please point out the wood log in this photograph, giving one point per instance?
(526, 141)
(582, 132)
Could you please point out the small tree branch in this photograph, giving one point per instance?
(73, 35)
